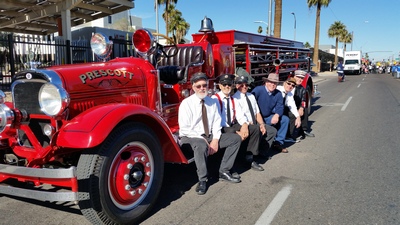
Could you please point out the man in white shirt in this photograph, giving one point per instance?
(290, 105)
(200, 129)
(235, 121)
(252, 116)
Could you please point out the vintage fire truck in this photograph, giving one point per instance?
(102, 131)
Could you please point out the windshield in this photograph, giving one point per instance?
(351, 61)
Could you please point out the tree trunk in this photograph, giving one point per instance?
(336, 49)
(316, 39)
(277, 18)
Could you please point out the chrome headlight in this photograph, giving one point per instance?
(6, 117)
(52, 99)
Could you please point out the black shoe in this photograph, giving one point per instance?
(256, 166)
(201, 188)
(309, 134)
(302, 137)
(228, 177)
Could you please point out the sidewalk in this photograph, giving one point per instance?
(322, 76)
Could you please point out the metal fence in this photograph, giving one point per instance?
(21, 52)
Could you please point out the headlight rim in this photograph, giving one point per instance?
(64, 100)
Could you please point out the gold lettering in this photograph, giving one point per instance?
(103, 73)
(96, 73)
(90, 75)
(83, 78)
(117, 73)
(110, 72)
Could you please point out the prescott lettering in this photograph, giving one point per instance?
(91, 75)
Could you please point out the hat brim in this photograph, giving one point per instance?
(265, 79)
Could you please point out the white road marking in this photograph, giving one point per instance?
(358, 85)
(347, 103)
(274, 207)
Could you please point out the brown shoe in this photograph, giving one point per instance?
(278, 147)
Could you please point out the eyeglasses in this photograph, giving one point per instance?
(290, 84)
(201, 86)
(244, 85)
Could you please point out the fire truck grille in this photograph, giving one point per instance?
(26, 97)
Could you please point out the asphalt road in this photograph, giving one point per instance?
(347, 174)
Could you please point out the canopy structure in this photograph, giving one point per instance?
(42, 17)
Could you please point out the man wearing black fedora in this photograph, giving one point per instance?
(200, 129)
(270, 102)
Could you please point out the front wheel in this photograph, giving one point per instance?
(308, 97)
(119, 181)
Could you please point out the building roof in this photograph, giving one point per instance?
(43, 17)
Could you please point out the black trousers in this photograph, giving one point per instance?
(293, 132)
(252, 142)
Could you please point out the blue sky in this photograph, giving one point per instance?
(373, 23)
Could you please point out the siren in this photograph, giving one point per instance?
(206, 25)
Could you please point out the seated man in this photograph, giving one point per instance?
(235, 121)
(200, 128)
(247, 102)
(299, 95)
(270, 101)
(290, 109)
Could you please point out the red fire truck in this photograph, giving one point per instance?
(103, 131)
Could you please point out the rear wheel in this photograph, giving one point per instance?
(119, 181)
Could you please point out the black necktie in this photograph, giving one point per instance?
(228, 111)
(204, 118)
(251, 110)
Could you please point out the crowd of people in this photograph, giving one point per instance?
(243, 124)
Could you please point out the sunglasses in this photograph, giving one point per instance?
(243, 85)
(226, 85)
(290, 84)
(201, 86)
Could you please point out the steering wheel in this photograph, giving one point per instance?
(161, 47)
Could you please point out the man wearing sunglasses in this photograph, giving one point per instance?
(200, 130)
(234, 120)
(247, 102)
(290, 109)
(270, 101)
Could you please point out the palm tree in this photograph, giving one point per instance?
(307, 45)
(178, 25)
(346, 37)
(336, 30)
(278, 18)
(318, 4)
(167, 3)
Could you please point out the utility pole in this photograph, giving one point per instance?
(269, 18)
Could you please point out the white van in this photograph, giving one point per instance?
(352, 62)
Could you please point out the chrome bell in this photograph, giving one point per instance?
(206, 25)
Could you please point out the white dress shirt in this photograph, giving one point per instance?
(236, 112)
(241, 103)
(189, 117)
(289, 100)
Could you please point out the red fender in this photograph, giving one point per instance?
(92, 127)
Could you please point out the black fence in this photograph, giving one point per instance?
(21, 52)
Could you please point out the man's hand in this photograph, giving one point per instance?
(297, 123)
(244, 131)
(263, 129)
(275, 119)
(213, 147)
(301, 111)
